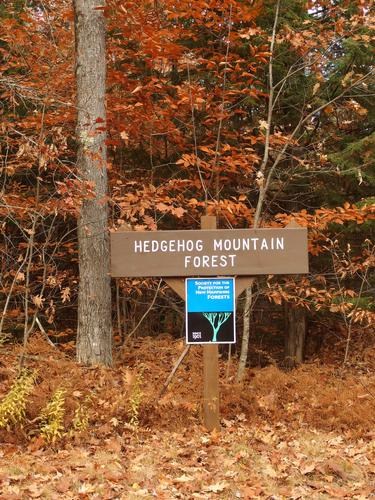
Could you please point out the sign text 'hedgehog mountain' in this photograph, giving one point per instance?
(221, 252)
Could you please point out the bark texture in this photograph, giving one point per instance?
(246, 333)
(94, 337)
(295, 319)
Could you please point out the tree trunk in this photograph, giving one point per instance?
(94, 336)
(246, 333)
(295, 322)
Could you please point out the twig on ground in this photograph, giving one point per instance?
(44, 332)
(175, 368)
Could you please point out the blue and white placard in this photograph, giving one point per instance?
(210, 311)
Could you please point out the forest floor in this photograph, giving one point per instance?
(307, 433)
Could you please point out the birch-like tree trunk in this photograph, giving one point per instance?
(246, 333)
(262, 182)
(94, 337)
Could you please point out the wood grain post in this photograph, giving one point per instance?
(211, 412)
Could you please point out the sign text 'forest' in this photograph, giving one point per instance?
(209, 252)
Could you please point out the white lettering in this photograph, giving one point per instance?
(227, 244)
(208, 261)
(218, 297)
(218, 245)
(245, 244)
(236, 246)
(232, 257)
(189, 245)
(137, 246)
(280, 243)
(180, 245)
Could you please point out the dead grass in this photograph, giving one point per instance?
(307, 433)
(314, 395)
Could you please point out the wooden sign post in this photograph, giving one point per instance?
(211, 412)
(242, 253)
(211, 399)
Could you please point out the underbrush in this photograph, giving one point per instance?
(63, 401)
(321, 397)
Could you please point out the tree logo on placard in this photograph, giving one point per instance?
(216, 319)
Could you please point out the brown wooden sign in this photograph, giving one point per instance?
(219, 252)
